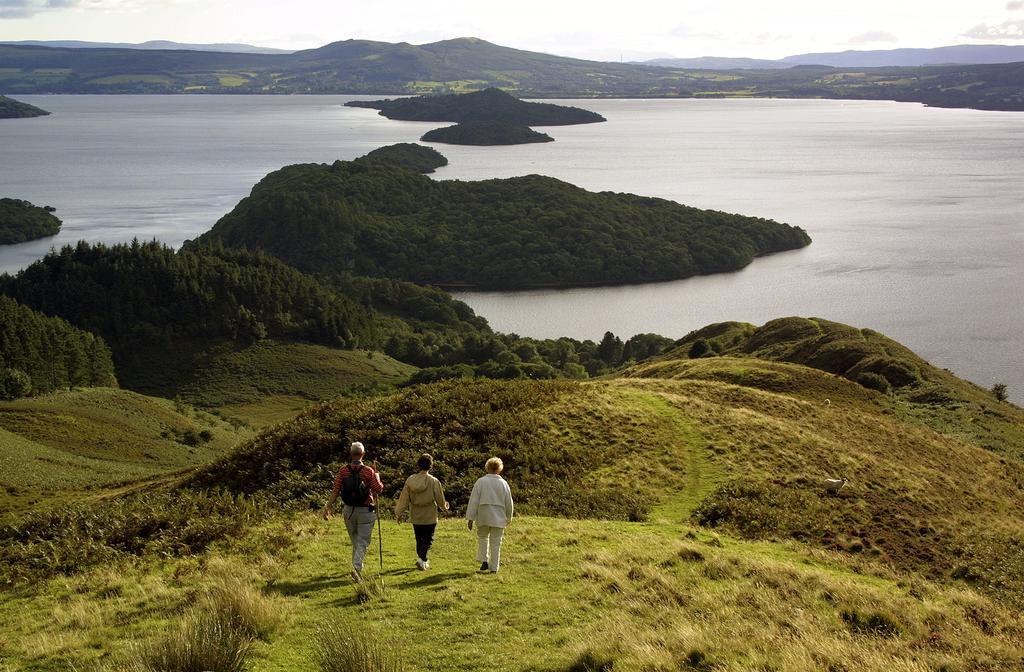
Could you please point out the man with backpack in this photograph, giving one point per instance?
(358, 485)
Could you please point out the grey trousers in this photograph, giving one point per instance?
(359, 522)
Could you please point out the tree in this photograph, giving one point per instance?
(609, 350)
(699, 348)
(999, 391)
(14, 384)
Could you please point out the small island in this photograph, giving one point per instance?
(410, 156)
(15, 109)
(487, 105)
(20, 221)
(485, 133)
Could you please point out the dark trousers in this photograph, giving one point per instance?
(424, 539)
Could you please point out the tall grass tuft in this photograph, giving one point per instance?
(242, 607)
(205, 641)
(217, 634)
(369, 589)
(343, 647)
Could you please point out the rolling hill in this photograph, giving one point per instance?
(69, 444)
(720, 525)
(962, 54)
(471, 64)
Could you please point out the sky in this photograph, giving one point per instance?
(597, 29)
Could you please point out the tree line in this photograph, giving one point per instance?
(40, 354)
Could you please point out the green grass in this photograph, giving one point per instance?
(132, 79)
(265, 382)
(645, 595)
(918, 565)
(68, 442)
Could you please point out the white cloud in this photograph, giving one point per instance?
(23, 9)
(874, 37)
(1007, 30)
(1015, 5)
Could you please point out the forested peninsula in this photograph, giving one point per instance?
(486, 133)
(491, 104)
(15, 109)
(379, 219)
(20, 221)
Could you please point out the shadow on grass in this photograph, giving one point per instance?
(433, 580)
(315, 584)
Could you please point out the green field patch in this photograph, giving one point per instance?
(268, 369)
(98, 436)
(231, 80)
(132, 79)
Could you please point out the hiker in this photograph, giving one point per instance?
(490, 507)
(421, 497)
(358, 485)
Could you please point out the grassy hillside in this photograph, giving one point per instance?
(916, 391)
(693, 528)
(572, 596)
(89, 439)
(269, 382)
(470, 64)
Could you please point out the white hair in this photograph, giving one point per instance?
(357, 449)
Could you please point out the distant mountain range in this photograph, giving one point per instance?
(962, 54)
(229, 47)
(471, 64)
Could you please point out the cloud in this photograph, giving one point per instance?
(874, 36)
(1007, 30)
(21, 9)
(1015, 5)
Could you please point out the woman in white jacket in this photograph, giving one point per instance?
(490, 507)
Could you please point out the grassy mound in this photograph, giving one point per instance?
(71, 441)
(270, 382)
(916, 390)
(559, 441)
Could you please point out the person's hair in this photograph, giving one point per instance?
(494, 465)
(356, 450)
(425, 462)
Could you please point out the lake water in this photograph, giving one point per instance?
(917, 214)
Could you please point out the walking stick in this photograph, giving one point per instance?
(380, 533)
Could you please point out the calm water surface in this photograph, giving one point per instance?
(917, 214)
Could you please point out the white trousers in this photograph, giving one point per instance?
(488, 547)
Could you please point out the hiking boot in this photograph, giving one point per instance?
(426, 564)
(483, 567)
(420, 564)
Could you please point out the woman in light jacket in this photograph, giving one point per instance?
(421, 497)
(490, 506)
